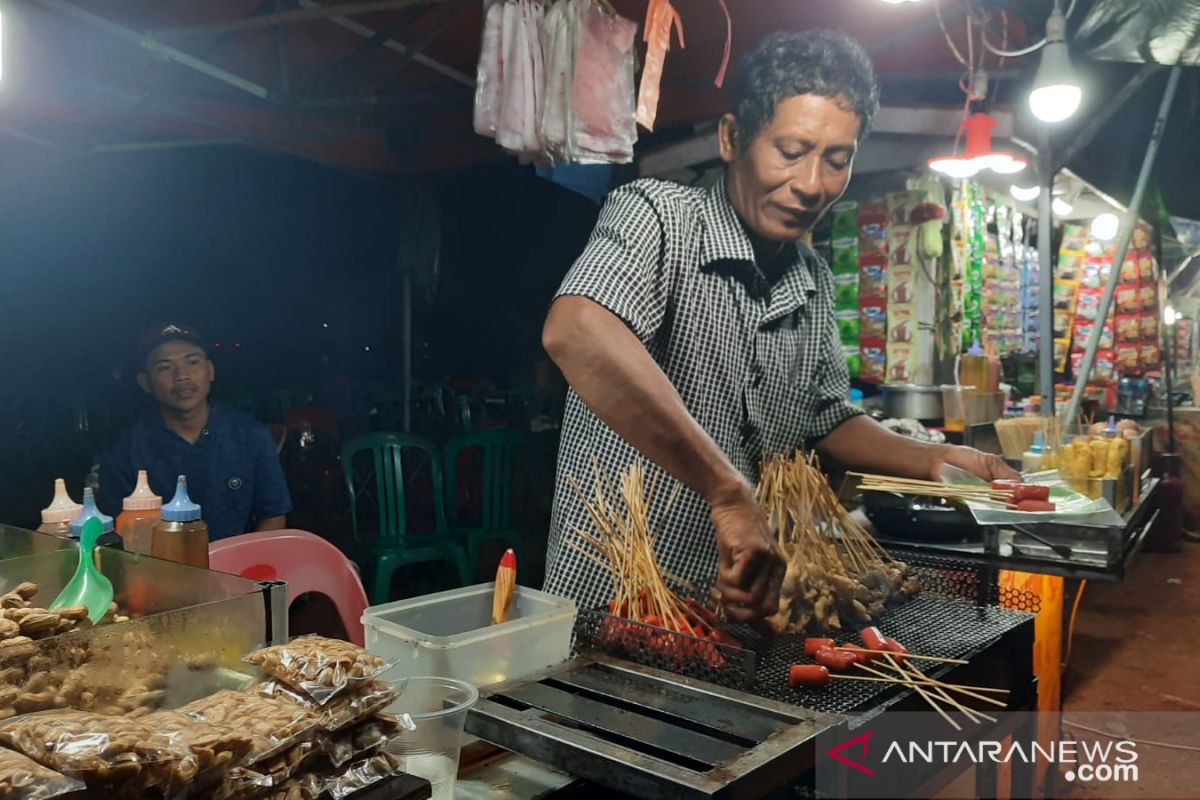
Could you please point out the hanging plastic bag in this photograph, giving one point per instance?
(489, 75)
(603, 126)
(556, 123)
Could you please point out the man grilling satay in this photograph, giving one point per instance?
(697, 331)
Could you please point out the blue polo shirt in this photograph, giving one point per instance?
(232, 470)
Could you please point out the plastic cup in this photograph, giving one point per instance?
(432, 712)
(954, 407)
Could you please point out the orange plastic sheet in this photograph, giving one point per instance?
(661, 18)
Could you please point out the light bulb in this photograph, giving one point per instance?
(1061, 208)
(1055, 103)
(1026, 194)
(1170, 316)
(954, 167)
(1056, 92)
(1105, 226)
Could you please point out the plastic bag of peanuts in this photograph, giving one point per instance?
(319, 667)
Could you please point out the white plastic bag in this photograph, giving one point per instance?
(489, 75)
(603, 100)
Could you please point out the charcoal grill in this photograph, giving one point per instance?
(740, 730)
(651, 733)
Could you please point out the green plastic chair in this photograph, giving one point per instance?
(497, 450)
(395, 546)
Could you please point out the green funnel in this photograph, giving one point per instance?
(88, 587)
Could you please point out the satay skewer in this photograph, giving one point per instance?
(940, 659)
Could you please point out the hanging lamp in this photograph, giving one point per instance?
(979, 154)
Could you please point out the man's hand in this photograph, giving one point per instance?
(988, 466)
(749, 566)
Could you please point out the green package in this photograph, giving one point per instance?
(854, 364)
(845, 292)
(845, 257)
(849, 327)
(845, 220)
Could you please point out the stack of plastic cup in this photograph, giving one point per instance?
(432, 712)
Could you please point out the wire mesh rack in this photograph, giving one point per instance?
(958, 613)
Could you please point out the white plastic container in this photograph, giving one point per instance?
(448, 634)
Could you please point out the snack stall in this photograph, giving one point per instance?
(185, 686)
(664, 699)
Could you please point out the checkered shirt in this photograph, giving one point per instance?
(759, 366)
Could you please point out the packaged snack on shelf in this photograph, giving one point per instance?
(873, 322)
(874, 362)
(318, 666)
(362, 774)
(845, 292)
(344, 710)
(901, 248)
(845, 257)
(273, 725)
(902, 284)
(22, 778)
(1128, 329)
(1095, 273)
(1141, 237)
(1075, 237)
(901, 363)
(361, 740)
(1076, 362)
(1102, 370)
(1062, 349)
(872, 279)
(1070, 265)
(848, 327)
(1148, 297)
(1145, 266)
(1065, 294)
(1088, 304)
(902, 324)
(1149, 355)
(1126, 298)
(116, 753)
(1148, 325)
(853, 360)
(213, 749)
(845, 220)
(1129, 268)
(872, 240)
(1062, 323)
(1127, 357)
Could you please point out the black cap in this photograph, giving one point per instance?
(167, 332)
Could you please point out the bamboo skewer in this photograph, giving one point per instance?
(969, 691)
(937, 689)
(939, 659)
(924, 680)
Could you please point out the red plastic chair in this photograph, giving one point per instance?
(306, 561)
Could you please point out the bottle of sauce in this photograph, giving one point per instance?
(140, 512)
(973, 369)
(56, 517)
(1031, 459)
(181, 535)
(88, 511)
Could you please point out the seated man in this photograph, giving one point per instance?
(229, 458)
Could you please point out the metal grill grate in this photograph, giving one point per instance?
(946, 619)
(928, 625)
(663, 649)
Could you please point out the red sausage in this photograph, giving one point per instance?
(1028, 492)
(872, 638)
(1036, 505)
(813, 643)
(860, 655)
(835, 659)
(899, 650)
(813, 675)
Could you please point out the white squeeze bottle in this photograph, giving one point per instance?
(56, 517)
